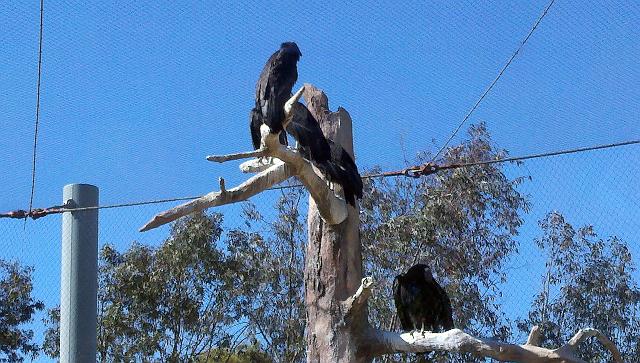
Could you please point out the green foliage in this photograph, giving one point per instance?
(166, 303)
(588, 283)
(51, 345)
(461, 222)
(16, 309)
(244, 354)
(268, 266)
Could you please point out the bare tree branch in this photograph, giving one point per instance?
(586, 333)
(236, 156)
(456, 340)
(258, 165)
(379, 342)
(359, 299)
(332, 208)
(249, 188)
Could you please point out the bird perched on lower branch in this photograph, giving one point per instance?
(421, 302)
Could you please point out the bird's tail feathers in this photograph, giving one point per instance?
(337, 173)
(254, 125)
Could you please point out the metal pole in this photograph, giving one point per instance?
(79, 278)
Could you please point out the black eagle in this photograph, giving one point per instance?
(422, 304)
(329, 157)
(273, 90)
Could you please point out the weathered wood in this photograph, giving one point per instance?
(534, 336)
(375, 342)
(456, 340)
(333, 263)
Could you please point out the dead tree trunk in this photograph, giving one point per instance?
(336, 295)
(333, 261)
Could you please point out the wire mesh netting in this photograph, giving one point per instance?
(135, 95)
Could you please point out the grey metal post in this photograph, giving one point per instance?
(79, 278)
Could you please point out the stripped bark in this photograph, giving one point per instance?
(333, 261)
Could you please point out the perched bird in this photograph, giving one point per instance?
(422, 304)
(329, 157)
(273, 89)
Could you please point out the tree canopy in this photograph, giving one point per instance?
(588, 282)
(17, 308)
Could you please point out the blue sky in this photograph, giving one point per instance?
(135, 94)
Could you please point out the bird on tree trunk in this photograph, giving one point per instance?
(328, 156)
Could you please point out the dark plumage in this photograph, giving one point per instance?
(347, 173)
(273, 90)
(421, 302)
(332, 160)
